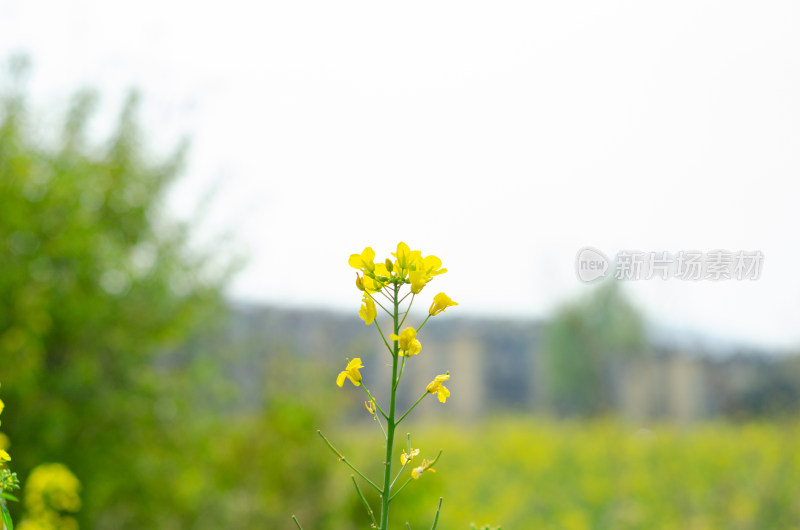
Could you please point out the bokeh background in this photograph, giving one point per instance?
(181, 185)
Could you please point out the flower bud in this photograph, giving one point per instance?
(359, 282)
(389, 265)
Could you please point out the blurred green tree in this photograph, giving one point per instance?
(582, 342)
(120, 358)
(99, 288)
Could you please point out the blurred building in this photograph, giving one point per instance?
(496, 367)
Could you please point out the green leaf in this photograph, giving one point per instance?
(6, 517)
(9, 497)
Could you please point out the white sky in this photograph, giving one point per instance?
(500, 136)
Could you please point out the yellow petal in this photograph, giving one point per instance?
(355, 261)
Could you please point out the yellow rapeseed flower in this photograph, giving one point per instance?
(367, 311)
(440, 302)
(370, 406)
(403, 256)
(4, 456)
(351, 372)
(408, 344)
(423, 270)
(436, 387)
(430, 265)
(364, 261)
(407, 457)
(406, 258)
(418, 280)
(2, 406)
(422, 468)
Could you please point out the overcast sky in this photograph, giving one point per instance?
(500, 136)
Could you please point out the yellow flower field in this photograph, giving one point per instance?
(543, 474)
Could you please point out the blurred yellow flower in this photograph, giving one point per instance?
(408, 344)
(2, 406)
(419, 470)
(407, 457)
(50, 489)
(351, 372)
(436, 387)
(4, 456)
(440, 302)
(367, 311)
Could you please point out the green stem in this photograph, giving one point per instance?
(384, 295)
(387, 474)
(402, 367)
(408, 449)
(383, 336)
(407, 310)
(436, 520)
(430, 465)
(382, 429)
(373, 400)
(347, 462)
(373, 299)
(364, 500)
(423, 322)
(412, 407)
(296, 522)
(401, 488)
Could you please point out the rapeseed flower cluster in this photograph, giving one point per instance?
(383, 287)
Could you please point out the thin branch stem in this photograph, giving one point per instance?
(364, 500)
(347, 462)
(408, 448)
(430, 465)
(412, 408)
(384, 295)
(423, 322)
(402, 367)
(399, 473)
(380, 332)
(373, 299)
(385, 437)
(407, 309)
(373, 400)
(296, 522)
(436, 519)
(401, 489)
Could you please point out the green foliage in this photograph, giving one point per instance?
(581, 343)
(99, 291)
(118, 356)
